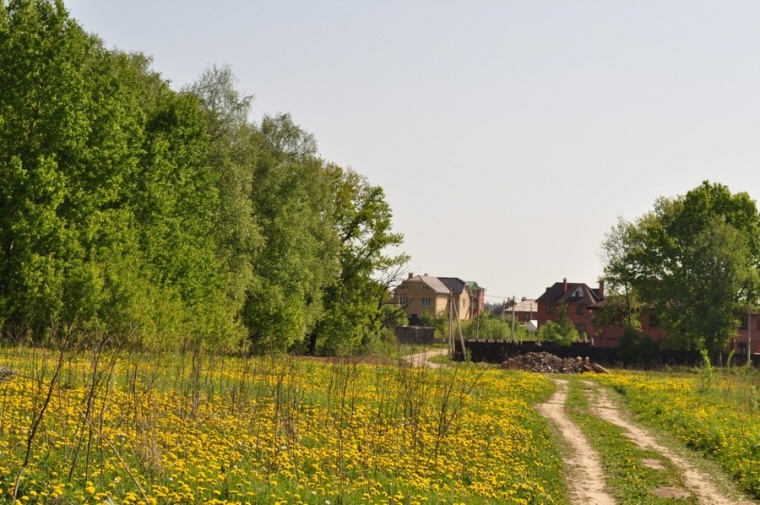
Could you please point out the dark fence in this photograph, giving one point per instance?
(415, 335)
(497, 351)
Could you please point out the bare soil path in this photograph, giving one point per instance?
(584, 472)
(585, 476)
(422, 359)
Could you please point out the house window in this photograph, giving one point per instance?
(426, 302)
(550, 309)
(578, 293)
(580, 309)
(654, 320)
(403, 300)
(581, 327)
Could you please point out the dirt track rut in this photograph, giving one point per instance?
(585, 476)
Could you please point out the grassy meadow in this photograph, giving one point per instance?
(713, 411)
(113, 428)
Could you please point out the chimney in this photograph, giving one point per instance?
(564, 285)
(411, 275)
(601, 289)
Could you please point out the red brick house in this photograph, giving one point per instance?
(478, 300)
(582, 301)
(577, 297)
(749, 332)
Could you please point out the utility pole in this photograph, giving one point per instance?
(451, 327)
(514, 302)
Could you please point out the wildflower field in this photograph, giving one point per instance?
(112, 428)
(713, 411)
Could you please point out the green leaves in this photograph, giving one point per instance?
(562, 331)
(694, 260)
(150, 217)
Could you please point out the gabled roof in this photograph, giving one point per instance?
(474, 286)
(432, 282)
(526, 305)
(577, 293)
(455, 284)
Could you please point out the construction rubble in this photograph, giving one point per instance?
(544, 362)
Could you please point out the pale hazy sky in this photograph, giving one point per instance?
(508, 136)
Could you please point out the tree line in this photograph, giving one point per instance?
(140, 215)
(692, 264)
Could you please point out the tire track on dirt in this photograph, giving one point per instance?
(697, 482)
(584, 473)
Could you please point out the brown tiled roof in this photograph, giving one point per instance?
(557, 294)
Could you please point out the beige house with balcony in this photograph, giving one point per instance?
(425, 294)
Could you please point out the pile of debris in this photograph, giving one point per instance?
(544, 362)
(6, 373)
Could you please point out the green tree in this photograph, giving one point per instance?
(106, 196)
(638, 349)
(562, 331)
(438, 321)
(232, 156)
(487, 327)
(68, 131)
(354, 305)
(621, 305)
(293, 202)
(694, 261)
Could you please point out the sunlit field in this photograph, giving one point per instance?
(178, 429)
(714, 411)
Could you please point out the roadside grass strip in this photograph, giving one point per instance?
(171, 429)
(716, 415)
(634, 476)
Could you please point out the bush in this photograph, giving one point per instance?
(636, 349)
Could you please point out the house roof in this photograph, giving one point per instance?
(433, 283)
(525, 306)
(576, 293)
(455, 284)
(474, 286)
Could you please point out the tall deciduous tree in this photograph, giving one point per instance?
(232, 155)
(694, 260)
(294, 206)
(106, 201)
(354, 305)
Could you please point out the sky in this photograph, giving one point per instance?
(508, 136)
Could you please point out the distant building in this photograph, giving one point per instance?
(577, 297)
(583, 302)
(524, 310)
(426, 294)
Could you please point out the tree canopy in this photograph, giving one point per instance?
(693, 260)
(151, 216)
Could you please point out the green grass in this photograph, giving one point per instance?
(276, 429)
(629, 479)
(712, 412)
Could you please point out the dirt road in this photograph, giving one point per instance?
(422, 359)
(585, 476)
